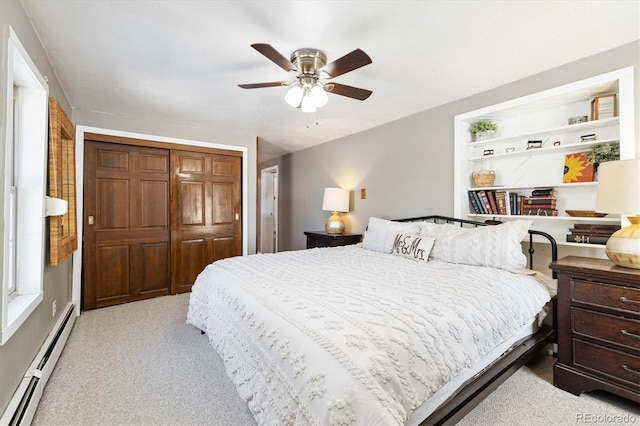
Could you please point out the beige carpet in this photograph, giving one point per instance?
(140, 363)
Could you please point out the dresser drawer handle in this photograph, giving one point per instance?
(625, 300)
(626, 333)
(625, 368)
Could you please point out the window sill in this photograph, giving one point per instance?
(19, 309)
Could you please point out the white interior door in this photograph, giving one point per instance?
(269, 210)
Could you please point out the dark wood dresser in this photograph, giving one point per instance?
(324, 239)
(598, 327)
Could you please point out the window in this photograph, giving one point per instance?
(25, 147)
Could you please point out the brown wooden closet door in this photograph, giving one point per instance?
(205, 213)
(127, 248)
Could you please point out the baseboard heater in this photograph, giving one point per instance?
(22, 406)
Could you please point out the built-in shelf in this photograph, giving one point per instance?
(521, 170)
(588, 125)
(546, 150)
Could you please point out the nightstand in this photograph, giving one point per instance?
(598, 327)
(324, 239)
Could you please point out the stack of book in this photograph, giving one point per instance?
(542, 202)
(494, 202)
(591, 233)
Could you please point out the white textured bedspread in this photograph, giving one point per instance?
(350, 336)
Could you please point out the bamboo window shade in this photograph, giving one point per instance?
(63, 234)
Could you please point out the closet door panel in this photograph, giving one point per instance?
(126, 225)
(205, 207)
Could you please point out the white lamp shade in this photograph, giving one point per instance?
(319, 96)
(619, 187)
(335, 200)
(294, 96)
(307, 104)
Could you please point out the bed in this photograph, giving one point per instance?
(415, 325)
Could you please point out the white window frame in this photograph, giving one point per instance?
(24, 189)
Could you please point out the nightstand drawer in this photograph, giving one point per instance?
(610, 328)
(621, 298)
(602, 361)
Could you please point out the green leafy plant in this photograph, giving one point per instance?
(609, 151)
(483, 126)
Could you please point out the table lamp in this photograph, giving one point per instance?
(335, 200)
(619, 192)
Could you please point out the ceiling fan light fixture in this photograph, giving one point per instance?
(319, 96)
(294, 96)
(307, 104)
(309, 89)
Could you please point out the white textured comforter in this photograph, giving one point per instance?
(350, 336)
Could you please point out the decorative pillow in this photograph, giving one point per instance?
(415, 247)
(496, 246)
(381, 233)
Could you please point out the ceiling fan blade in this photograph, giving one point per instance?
(348, 91)
(259, 85)
(348, 62)
(275, 56)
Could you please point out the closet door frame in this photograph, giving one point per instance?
(122, 137)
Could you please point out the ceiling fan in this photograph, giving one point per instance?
(309, 66)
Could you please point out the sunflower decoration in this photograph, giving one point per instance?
(578, 168)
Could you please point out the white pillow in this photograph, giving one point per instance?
(414, 247)
(380, 233)
(496, 246)
(430, 229)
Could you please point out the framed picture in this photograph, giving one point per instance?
(578, 168)
(605, 106)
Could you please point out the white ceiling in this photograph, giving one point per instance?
(181, 61)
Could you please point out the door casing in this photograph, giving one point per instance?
(106, 135)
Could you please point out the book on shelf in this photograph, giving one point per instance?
(485, 201)
(491, 195)
(587, 239)
(473, 205)
(603, 232)
(596, 226)
(476, 197)
(514, 200)
(542, 192)
(540, 200)
(501, 197)
(538, 206)
(481, 206)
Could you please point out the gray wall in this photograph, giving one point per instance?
(22, 347)
(407, 165)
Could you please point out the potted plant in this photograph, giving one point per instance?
(609, 151)
(484, 129)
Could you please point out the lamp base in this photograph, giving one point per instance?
(623, 247)
(334, 224)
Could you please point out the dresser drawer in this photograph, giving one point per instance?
(620, 366)
(620, 298)
(610, 328)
